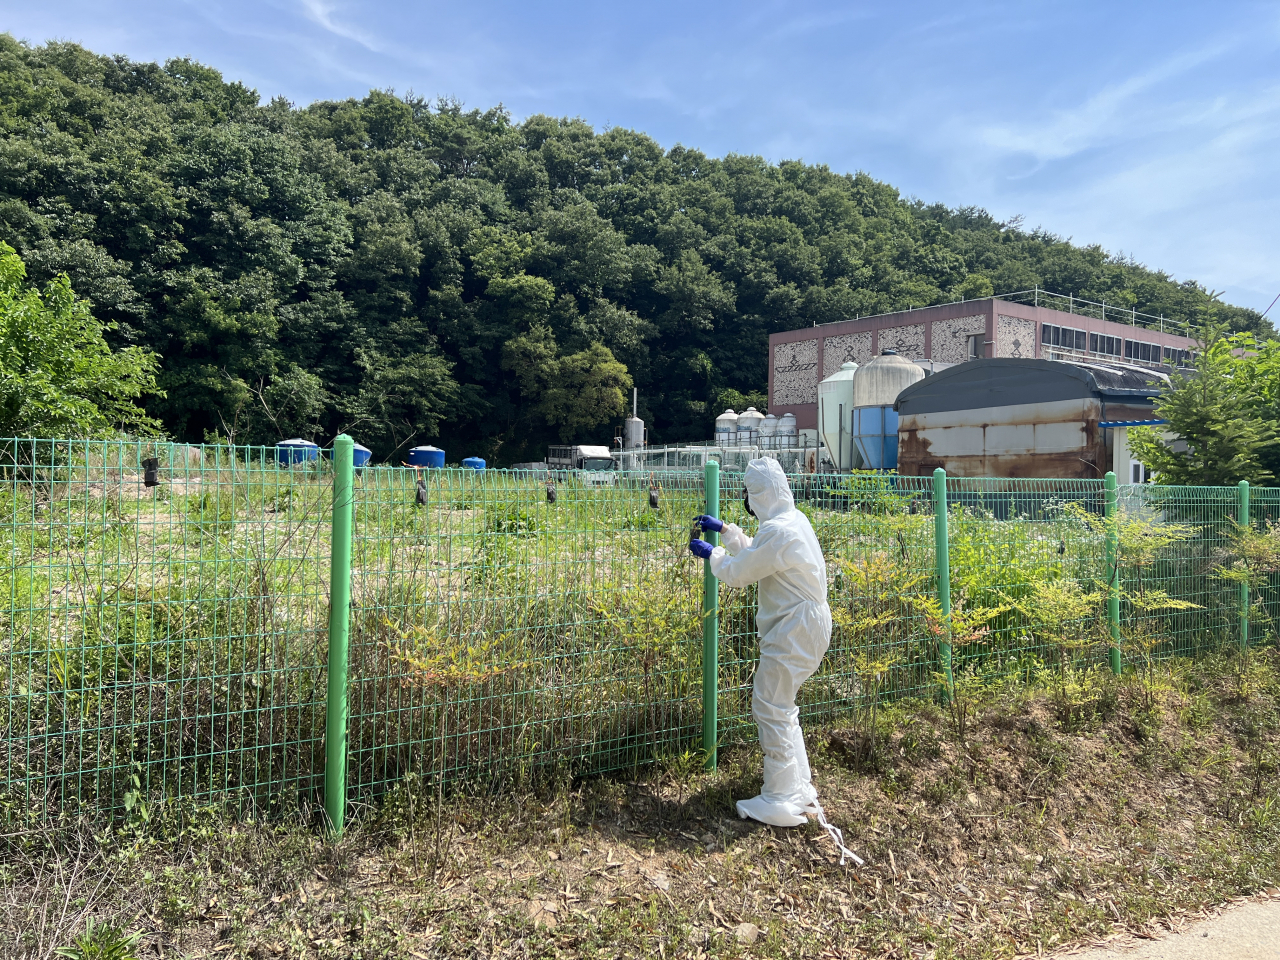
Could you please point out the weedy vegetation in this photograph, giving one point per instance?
(163, 673)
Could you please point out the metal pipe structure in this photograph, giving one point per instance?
(710, 625)
(942, 563)
(1243, 520)
(335, 736)
(1113, 569)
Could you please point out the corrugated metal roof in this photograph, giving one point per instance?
(1007, 381)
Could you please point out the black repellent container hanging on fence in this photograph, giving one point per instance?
(151, 472)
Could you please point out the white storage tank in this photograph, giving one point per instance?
(787, 434)
(749, 427)
(875, 423)
(633, 433)
(835, 416)
(769, 431)
(879, 382)
(727, 428)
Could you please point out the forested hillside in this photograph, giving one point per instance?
(415, 272)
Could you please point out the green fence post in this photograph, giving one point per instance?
(710, 626)
(1244, 585)
(942, 562)
(1110, 498)
(335, 730)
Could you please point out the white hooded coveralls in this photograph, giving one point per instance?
(794, 622)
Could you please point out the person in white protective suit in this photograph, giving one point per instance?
(794, 622)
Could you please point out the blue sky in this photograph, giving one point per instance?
(1150, 128)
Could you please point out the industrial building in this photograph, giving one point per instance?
(1026, 418)
(953, 333)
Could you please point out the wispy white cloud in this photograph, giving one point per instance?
(1118, 109)
(321, 12)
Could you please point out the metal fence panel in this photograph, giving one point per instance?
(504, 620)
(161, 641)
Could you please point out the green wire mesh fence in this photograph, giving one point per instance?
(166, 640)
(168, 623)
(506, 619)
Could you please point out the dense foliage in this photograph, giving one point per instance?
(58, 376)
(1225, 416)
(410, 272)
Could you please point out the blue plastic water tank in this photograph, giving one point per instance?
(296, 450)
(426, 457)
(361, 455)
(875, 432)
(473, 463)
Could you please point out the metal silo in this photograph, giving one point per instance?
(727, 428)
(875, 422)
(749, 427)
(788, 435)
(769, 431)
(835, 417)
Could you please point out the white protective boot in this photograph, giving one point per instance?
(774, 814)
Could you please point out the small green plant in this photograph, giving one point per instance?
(211, 513)
(1263, 816)
(1251, 561)
(1066, 618)
(512, 520)
(102, 941)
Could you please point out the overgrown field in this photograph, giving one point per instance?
(1050, 815)
(169, 643)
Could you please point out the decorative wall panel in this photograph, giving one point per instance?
(1015, 337)
(950, 338)
(842, 349)
(795, 373)
(908, 340)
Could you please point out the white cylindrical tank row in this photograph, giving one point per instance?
(751, 428)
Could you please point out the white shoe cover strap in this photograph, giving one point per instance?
(834, 833)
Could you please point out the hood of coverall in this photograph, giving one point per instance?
(767, 488)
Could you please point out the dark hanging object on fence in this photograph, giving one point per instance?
(654, 490)
(551, 491)
(151, 472)
(422, 492)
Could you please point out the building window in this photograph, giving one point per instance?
(1143, 352)
(1067, 338)
(1107, 346)
(1137, 472)
(976, 351)
(1177, 357)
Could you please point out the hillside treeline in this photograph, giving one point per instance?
(415, 272)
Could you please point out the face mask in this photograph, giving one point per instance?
(746, 503)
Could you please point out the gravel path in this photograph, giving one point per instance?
(1250, 931)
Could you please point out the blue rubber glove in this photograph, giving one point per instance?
(700, 549)
(710, 523)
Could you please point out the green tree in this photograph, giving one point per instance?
(392, 248)
(58, 376)
(573, 393)
(1222, 417)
